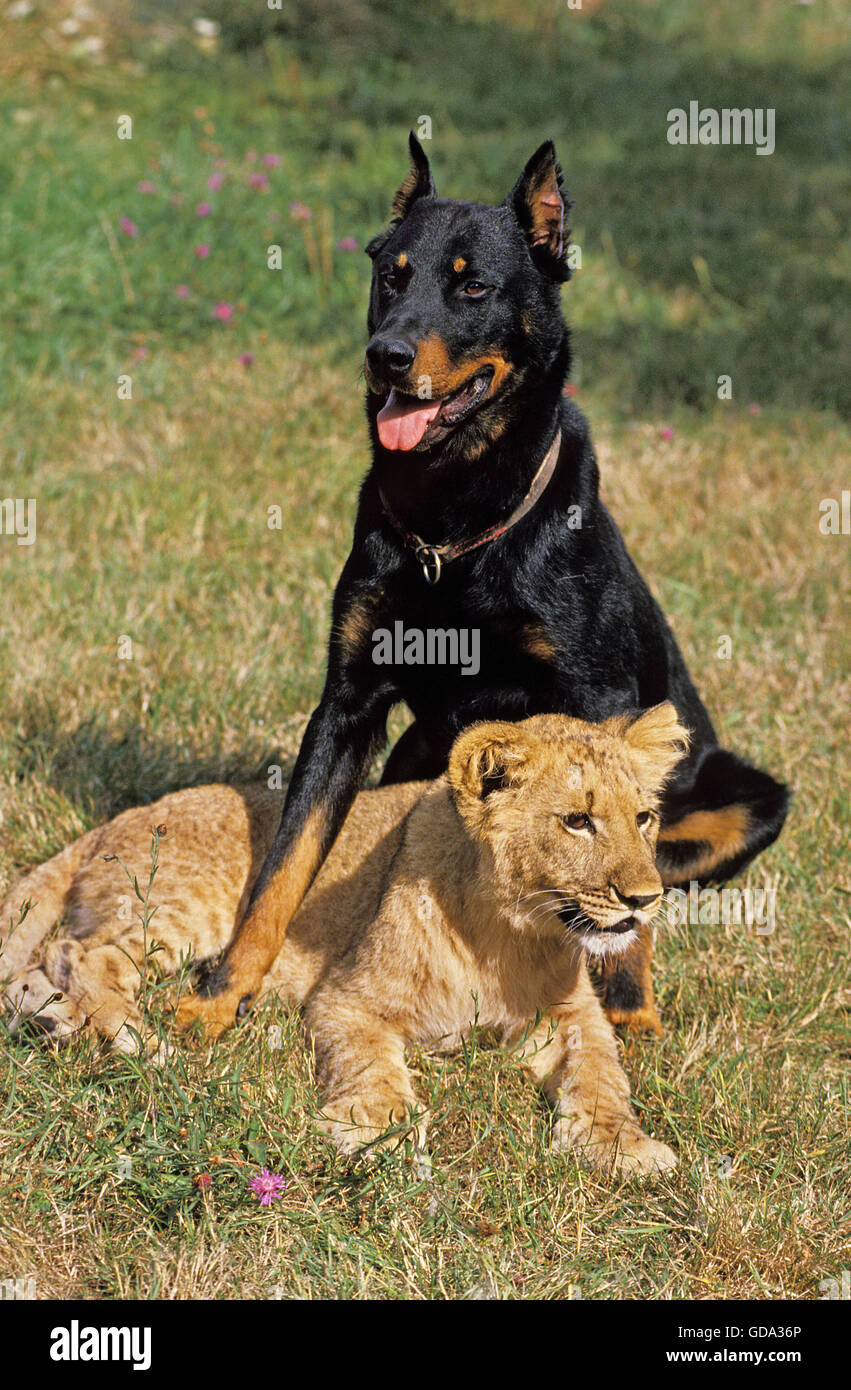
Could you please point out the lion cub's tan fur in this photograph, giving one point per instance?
(439, 904)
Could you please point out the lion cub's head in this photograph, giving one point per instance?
(567, 814)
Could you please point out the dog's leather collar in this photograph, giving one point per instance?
(434, 557)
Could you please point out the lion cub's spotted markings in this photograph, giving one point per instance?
(474, 894)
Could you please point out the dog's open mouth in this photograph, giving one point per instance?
(406, 422)
(578, 921)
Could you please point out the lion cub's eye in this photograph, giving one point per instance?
(644, 818)
(579, 821)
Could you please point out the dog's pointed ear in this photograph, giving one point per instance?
(656, 741)
(486, 758)
(540, 206)
(418, 184)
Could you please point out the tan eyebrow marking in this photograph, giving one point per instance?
(402, 259)
(458, 264)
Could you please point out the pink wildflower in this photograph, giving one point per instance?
(215, 181)
(182, 291)
(272, 161)
(246, 359)
(667, 432)
(145, 186)
(138, 353)
(259, 181)
(202, 251)
(300, 212)
(203, 209)
(224, 312)
(753, 408)
(129, 227)
(347, 243)
(267, 1187)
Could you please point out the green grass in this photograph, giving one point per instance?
(152, 524)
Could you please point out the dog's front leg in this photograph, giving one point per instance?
(339, 744)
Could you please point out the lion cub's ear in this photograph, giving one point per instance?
(485, 758)
(656, 741)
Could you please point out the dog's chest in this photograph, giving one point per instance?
(458, 664)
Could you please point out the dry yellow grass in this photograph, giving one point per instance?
(152, 523)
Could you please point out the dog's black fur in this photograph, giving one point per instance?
(462, 290)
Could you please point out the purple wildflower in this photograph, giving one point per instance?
(267, 1187)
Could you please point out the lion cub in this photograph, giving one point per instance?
(473, 897)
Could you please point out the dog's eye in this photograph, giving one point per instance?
(579, 821)
(474, 289)
(643, 819)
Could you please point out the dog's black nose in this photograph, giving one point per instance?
(390, 358)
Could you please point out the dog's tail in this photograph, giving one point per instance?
(717, 825)
(36, 903)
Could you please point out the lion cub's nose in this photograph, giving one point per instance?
(634, 900)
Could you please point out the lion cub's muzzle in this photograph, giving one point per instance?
(614, 933)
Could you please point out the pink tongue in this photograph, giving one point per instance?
(402, 421)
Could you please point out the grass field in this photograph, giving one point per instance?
(246, 394)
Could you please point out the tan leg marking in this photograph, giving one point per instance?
(637, 962)
(261, 935)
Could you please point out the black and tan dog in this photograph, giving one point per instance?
(481, 513)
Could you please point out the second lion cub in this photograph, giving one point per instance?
(477, 895)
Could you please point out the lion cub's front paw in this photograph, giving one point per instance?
(640, 1156)
(628, 1151)
(355, 1125)
(215, 1014)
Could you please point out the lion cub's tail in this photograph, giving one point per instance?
(47, 890)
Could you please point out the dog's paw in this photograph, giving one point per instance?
(214, 1014)
(643, 1020)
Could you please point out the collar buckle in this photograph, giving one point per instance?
(429, 557)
